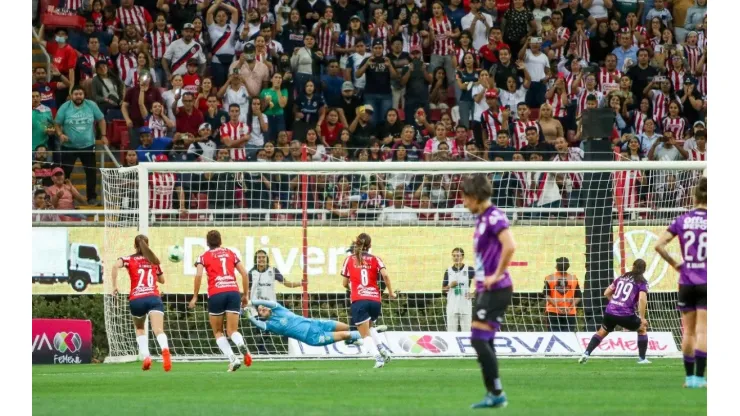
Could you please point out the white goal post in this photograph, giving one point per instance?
(600, 216)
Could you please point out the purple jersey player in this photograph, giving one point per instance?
(691, 229)
(494, 247)
(627, 305)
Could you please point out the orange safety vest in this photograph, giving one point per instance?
(562, 289)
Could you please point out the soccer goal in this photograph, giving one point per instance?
(576, 224)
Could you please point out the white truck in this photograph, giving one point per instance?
(55, 260)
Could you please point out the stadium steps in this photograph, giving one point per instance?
(78, 181)
(38, 55)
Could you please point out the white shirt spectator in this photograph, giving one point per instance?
(206, 149)
(480, 33)
(177, 54)
(511, 100)
(395, 214)
(536, 65)
(258, 136)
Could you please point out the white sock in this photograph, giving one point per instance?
(238, 339)
(371, 347)
(162, 340)
(376, 337)
(223, 345)
(143, 345)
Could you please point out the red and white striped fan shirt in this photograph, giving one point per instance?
(135, 15)
(702, 41)
(702, 84)
(676, 125)
(606, 79)
(460, 54)
(626, 185)
(693, 55)
(124, 64)
(235, 132)
(411, 39)
(638, 121)
(73, 5)
(523, 186)
(676, 78)
(383, 33)
(157, 125)
(695, 154)
(492, 123)
(520, 132)
(574, 154)
(558, 103)
(571, 84)
(563, 33)
(643, 32)
(660, 105)
(537, 183)
(160, 40)
(443, 44)
(161, 190)
(325, 37)
(583, 96)
(583, 49)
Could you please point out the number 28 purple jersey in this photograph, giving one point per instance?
(488, 247)
(625, 296)
(691, 229)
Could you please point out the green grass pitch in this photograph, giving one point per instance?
(349, 387)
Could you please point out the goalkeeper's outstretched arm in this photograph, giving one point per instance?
(256, 322)
(265, 303)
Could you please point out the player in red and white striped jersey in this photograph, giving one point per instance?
(327, 33)
(608, 76)
(380, 29)
(144, 271)
(128, 14)
(160, 37)
(235, 134)
(562, 35)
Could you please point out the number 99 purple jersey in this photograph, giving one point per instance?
(691, 229)
(488, 247)
(625, 295)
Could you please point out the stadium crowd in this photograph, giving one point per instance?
(367, 80)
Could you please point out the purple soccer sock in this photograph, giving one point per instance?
(688, 364)
(701, 362)
(595, 341)
(642, 344)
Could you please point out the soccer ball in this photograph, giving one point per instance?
(175, 254)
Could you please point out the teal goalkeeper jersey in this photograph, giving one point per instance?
(283, 321)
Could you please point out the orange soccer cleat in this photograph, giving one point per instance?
(166, 360)
(147, 364)
(247, 359)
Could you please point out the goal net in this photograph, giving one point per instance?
(598, 217)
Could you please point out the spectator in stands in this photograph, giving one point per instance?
(394, 213)
(535, 146)
(690, 143)
(203, 148)
(439, 90)
(222, 32)
(107, 92)
(87, 64)
(562, 295)
(140, 97)
(331, 128)
(275, 101)
(42, 167)
(416, 82)
(144, 65)
(42, 122)
(75, 127)
(380, 71)
(502, 148)
(255, 74)
(215, 117)
(151, 147)
(63, 56)
(331, 83)
(258, 126)
(309, 109)
(188, 118)
(640, 74)
(48, 90)
(180, 52)
(62, 193)
(235, 92)
(41, 201)
(665, 149)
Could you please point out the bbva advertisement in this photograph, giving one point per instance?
(79, 259)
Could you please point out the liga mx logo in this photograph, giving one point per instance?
(415, 344)
(67, 342)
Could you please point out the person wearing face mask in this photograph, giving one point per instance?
(63, 57)
(255, 74)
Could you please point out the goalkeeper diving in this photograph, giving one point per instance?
(275, 318)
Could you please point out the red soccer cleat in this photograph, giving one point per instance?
(147, 364)
(247, 359)
(166, 360)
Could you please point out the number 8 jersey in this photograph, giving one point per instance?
(363, 278)
(219, 264)
(143, 276)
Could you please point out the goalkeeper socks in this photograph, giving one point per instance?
(238, 339)
(701, 362)
(162, 340)
(688, 364)
(355, 335)
(223, 345)
(143, 343)
(595, 341)
(642, 344)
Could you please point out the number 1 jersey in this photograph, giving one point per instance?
(219, 264)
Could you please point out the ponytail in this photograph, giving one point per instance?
(638, 271)
(362, 243)
(142, 246)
